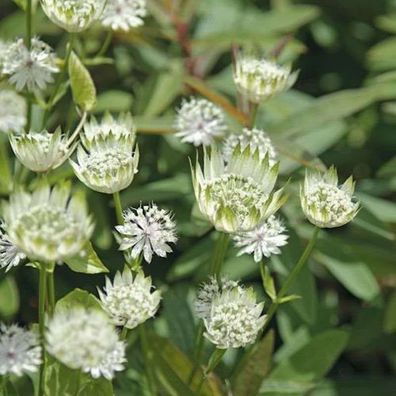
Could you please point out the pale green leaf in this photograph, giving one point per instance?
(86, 262)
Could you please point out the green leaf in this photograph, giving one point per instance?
(83, 88)
(253, 367)
(268, 283)
(381, 56)
(86, 262)
(9, 297)
(390, 314)
(5, 168)
(78, 298)
(114, 101)
(289, 298)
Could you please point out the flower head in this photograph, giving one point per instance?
(10, 255)
(129, 301)
(86, 340)
(20, 350)
(73, 15)
(124, 14)
(200, 122)
(259, 79)
(256, 139)
(264, 240)
(238, 195)
(326, 204)
(232, 317)
(48, 224)
(12, 111)
(31, 68)
(105, 159)
(147, 230)
(40, 151)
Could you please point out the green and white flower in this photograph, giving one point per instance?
(10, 255)
(238, 195)
(73, 15)
(40, 151)
(106, 161)
(260, 79)
(86, 340)
(48, 224)
(324, 202)
(13, 111)
(124, 14)
(129, 300)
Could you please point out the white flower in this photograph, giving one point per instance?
(199, 122)
(238, 195)
(73, 15)
(10, 255)
(259, 79)
(129, 301)
(147, 230)
(20, 350)
(30, 68)
(124, 14)
(234, 318)
(3, 50)
(264, 240)
(40, 151)
(86, 340)
(326, 204)
(257, 139)
(12, 111)
(48, 224)
(105, 159)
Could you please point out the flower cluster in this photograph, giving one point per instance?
(124, 14)
(146, 230)
(129, 301)
(10, 255)
(12, 111)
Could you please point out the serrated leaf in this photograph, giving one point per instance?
(83, 88)
(87, 262)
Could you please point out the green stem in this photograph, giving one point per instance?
(219, 254)
(198, 349)
(291, 277)
(29, 24)
(42, 298)
(51, 292)
(4, 380)
(213, 362)
(124, 333)
(147, 359)
(106, 44)
(118, 207)
(78, 383)
(253, 113)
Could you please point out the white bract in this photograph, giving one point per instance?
(233, 318)
(105, 160)
(13, 111)
(86, 340)
(29, 68)
(40, 151)
(129, 300)
(260, 79)
(257, 139)
(326, 204)
(146, 230)
(48, 224)
(236, 196)
(199, 122)
(124, 14)
(20, 350)
(10, 255)
(73, 15)
(263, 240)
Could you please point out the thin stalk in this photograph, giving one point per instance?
(219, 254)
(291, 277)
(51, 292)
(118, 207)
(253, 113)
(124, 333)
(28, 40)
(77, 130)
(42, 299)
(213, 362)
(147, 359)
(106, 44)
(198, 349)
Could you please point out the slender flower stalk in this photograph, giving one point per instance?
(29, 45)
(42, 299)
(118, 207)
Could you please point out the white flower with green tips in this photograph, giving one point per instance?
(124, 14)
(40, 151)
(324, 202)
(238, 195)
(48, 224)
(73, 15)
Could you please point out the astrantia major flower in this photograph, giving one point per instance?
(106, 161)
(20, 350)
(86, 340)
(326, 204)
(48, 224)
(257, 139)
(13, 111)
(146, 230)
(29, 68)
(73, 15)
(40, 151)
(10, 255)
(234, 318)
(238, 195)
(263, 240)
(124, 14)
(199, 122)
(129, 300)
(259, 79)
